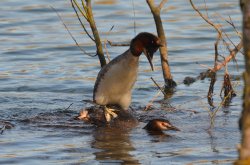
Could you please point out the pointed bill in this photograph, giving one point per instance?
(149, 57)
(169, 126)
(174, 128)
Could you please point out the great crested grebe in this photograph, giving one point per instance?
(115, 80)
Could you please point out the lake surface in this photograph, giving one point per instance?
(42, 72)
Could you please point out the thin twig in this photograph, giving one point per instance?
(112, 27)
(229, 40)
(162, 4)
(134, 17)
(79, 8)
(82, 22)
(205, 18)
(220, 32)
(68, 107)
(232, 24)
(162, 91)
(85, 9)
(228, 58)
(213, 114)
(107, 53)
(71, 35)
(206, 7)
(105, 43)
(234, 59)
(150, 103)
(118, 44)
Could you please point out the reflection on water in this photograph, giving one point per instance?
(42, 72)
(114, 144)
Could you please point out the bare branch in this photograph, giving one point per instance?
(82, 22)
(150, 103)
(228, 58)
(231, 43)
(98, 43)
(220, 33)
(68, 107)
(206, 18)
(71, 34)
(107, 53)
(216, 53)
(134, 16)
(79, 8)
(206, 7)
(162, 4)
(118, 44)
(85, 8)
(163, 92)
(232, 24)
(169, 82)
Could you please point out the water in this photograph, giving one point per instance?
(42, 72)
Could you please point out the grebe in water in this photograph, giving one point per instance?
(125, 120)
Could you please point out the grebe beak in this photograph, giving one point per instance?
(171, 127)
(149, 56)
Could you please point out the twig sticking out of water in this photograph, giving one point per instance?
(228, 89)
(228, 58)
(156, 10)
(218, 65)
(68, 107)
(230, 22)
(233, 52)
(150, 103)
(162, 91)
(212, 114)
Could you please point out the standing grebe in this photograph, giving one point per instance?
(115, 80)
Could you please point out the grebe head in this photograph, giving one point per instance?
(160, 125)
(147, 43)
